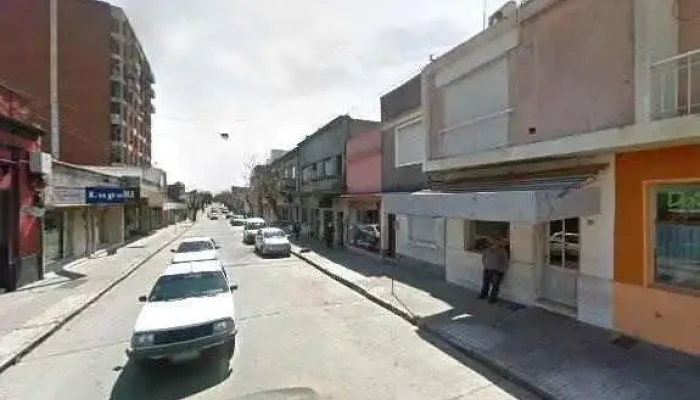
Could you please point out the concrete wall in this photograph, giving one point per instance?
(574, 70)
(427, 257)
(364, 162)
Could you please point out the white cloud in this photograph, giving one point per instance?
(272, 71)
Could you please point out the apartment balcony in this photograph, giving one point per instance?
(675, 86)
(288, 184)
(115, 119)
(332, 185)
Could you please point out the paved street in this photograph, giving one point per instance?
(299, 330)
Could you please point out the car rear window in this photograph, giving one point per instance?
(189, 247)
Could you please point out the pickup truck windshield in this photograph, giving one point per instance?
(181, 286)
(189, 247)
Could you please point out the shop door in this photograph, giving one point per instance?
(560, 270)
(391, 232)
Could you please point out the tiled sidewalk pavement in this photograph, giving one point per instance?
(555, 356)
(35, 311)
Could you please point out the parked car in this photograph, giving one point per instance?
(237, 221)
(251, 228)
(195, 249)
(269, 241)
(189, 311)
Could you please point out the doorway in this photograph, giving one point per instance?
(340, 228)
(391, 235)
(560, 271)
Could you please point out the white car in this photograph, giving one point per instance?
(189, 311)
(251, 228)
(270, 241)
(196, 249)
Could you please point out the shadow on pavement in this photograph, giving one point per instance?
(496, 378)
(164, 381)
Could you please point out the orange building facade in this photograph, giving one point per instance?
(657, 246)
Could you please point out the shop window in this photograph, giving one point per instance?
(421, 229)
(677, 235)
(364, 232)
(563, 246)
(477, 233)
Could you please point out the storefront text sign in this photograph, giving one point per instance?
(104, 195)
(65, 196)
(132, 195)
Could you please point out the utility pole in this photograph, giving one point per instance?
(53, 85)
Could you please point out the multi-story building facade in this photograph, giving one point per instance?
(321, 160)
(413, 239)
(102, 91)
(570, 128)
(285, 167)
(362, 200)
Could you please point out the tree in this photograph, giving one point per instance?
(263, 188)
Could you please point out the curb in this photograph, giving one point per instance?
(15, 358)
(415, 321)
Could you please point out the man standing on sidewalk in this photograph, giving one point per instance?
(495, 259)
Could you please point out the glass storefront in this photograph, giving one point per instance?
(677, 238)
(53, 237)
(364, 231)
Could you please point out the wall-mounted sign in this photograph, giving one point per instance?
(132, 195)
(65, 196)
(104, 195)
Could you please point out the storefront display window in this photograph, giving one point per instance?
(677, 235)
(364, 232)
(53, 237)
(477, 233)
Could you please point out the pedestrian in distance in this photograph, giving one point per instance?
(329, 235)
(296, 228)
(495, 260)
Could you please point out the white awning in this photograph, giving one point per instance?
(531, 206)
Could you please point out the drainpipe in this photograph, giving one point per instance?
(53, 85)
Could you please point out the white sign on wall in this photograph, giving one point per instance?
(65, 195)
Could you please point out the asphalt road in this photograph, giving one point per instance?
(302, 336)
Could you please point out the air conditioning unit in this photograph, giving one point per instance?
(40, 163)
(502, 13)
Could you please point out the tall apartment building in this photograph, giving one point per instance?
(104, 82)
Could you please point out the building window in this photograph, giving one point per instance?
(320, 171)
(116, 108)
(116, 132)
(330, 168)
(477, 233)
(116, 89)
(114, 46)
(421, 229)
(409, 143)
(563, 249)
(115, 155)
(677, 235)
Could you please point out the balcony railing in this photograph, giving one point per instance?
(675, 86)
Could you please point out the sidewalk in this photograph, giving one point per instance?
(35, 311)
(552, 355)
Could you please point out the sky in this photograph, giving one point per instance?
(270, 72)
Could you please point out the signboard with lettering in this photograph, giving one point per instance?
(678, 204)
(132, 195)
(104, 195)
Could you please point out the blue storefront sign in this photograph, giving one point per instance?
(104, 195)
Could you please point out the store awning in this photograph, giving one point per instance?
(530, 206)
